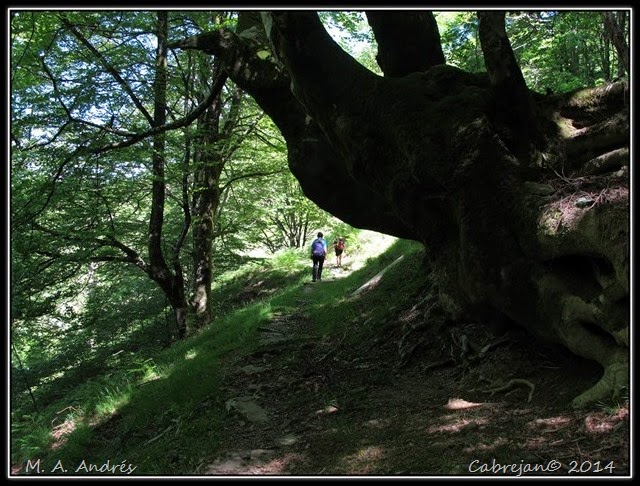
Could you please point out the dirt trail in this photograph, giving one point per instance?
(310, 406)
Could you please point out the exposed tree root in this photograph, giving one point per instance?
(491, 345)
(614, 381)
(439, 364)
(332, 350)
(511, 384)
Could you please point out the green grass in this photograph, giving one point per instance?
(164, 411)
(616, 402)
(336, 307)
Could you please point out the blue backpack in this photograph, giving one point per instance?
(317, 248)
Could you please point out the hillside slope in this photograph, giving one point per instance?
(345, 377)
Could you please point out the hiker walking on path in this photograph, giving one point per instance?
(318, 254)
(338, 246)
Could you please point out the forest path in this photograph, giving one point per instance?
(302, 404)
(267, 432)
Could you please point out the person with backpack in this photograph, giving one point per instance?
(338, 246)
(318, 254)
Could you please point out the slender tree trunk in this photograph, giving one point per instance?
(615, 28)
(210, 161)
(209, 164)
(158, 270)
(606, 58)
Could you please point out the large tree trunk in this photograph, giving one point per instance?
(518, 198)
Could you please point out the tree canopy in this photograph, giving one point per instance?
(131, 177)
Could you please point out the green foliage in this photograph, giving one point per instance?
(257, 280)
(74, 300)
(67, 201)
(284, 217)
(30, 435)
(459, 39)
(142, 398)
(618, 400)
(350, 27)
(152, 403)
(560, 50)
(351, 31)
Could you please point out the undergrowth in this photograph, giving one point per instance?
(162, 412)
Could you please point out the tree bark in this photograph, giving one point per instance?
(209, 163)
(158, 270)
(513, 104)
(311, 156)
(615, 26)
(210, 159)
(205, 208)
(408, 42)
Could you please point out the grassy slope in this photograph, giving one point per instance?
(164, 415)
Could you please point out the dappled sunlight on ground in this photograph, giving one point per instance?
(550, 424)
(487, 447)
(601, 423)
(364, 461)
(460, 404)
(456, 425)
(252, 463)
(353, 407)
(61, 432)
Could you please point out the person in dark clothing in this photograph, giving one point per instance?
(318, 254)
(338, 246)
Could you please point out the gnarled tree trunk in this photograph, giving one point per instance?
(520, 199)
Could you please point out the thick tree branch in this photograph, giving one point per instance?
(437, 156)
(407, 41)
(514, 106)
(132, 256)
(239, 58)
(312, 158)
(500, 61)
(324, 77)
